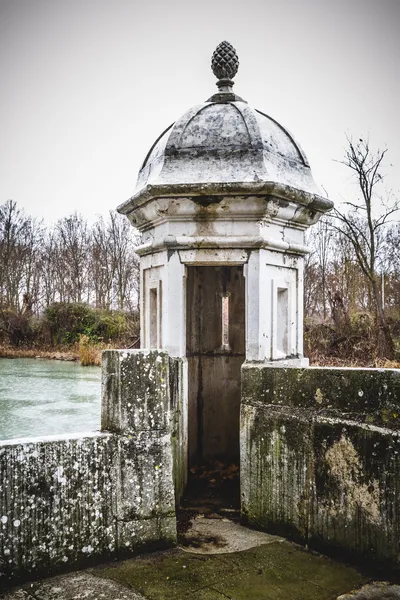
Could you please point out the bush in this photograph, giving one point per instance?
(67, 322)
(111, 325)
(318, 338)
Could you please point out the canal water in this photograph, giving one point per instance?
(44, 397)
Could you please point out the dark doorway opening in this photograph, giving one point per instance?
(215, 353)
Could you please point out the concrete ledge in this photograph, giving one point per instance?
(135, 390)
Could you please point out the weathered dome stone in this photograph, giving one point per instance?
(224, 146)
(226, 142)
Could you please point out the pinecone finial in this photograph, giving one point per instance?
(225, 64)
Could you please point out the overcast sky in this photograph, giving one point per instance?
(87, 85)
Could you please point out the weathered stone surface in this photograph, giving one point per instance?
(142, 476)
(135, 390)
(356, 504)
(145, 392)
(139, 388)
(276, 457)
(67, 500)
(366, 395)
(178, 382)
(57, 502)
(76, 586)
(273, 571)
(380, 590)
(313, 467)
(221, 147)
(206, 535)
(159, 529)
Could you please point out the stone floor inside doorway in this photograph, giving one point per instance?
(216, 559)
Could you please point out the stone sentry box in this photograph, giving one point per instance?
(223, 200)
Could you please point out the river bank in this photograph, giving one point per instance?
(86, 354)
(61, 353)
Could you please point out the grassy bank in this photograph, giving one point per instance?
(332, 361)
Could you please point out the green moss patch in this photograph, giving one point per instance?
(272, 571)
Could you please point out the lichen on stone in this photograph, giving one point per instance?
(346, 468)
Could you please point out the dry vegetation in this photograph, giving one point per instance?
(59, 353)
(67, 332)
(89, 353)
(321, 348)
(352, 276)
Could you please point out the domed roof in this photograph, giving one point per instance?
(226, 142)
(225, 146)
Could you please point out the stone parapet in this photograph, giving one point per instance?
(320, 458)
(70, 500)
(145, 392)
(135, 391)
(371, 396)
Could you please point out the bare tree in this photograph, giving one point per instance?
(123, 240)
(364, 229)
(115, 265)
(324, 241)
(20, 240)
(102, 264)
(392, 268)
(69, 262)
(50, 276)
(73, 257)
(311, 284)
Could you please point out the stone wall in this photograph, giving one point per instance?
(320, 457)
(67, 500)
(146, 391)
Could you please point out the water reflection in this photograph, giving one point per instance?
(44, 397)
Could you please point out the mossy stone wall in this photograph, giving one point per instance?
(320, 458)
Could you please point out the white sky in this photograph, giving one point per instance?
(87, 85)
